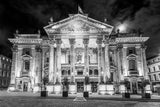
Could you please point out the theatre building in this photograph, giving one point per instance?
(75, 48)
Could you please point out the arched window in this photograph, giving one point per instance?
(95, 72)
(90, 72)
(132, 64)
(64, 72)
(69, 73)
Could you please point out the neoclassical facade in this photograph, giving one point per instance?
(77, 47)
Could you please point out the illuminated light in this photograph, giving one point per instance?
(102, 89)
(57, 89)
(122, 27)
(72, 89)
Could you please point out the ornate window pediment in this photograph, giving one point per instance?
(131, 56)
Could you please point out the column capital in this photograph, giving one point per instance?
(38, 49)
(52, 42)
(72, 41)
(58, 41)
(106, 41)
(85, 41)
(15, 48)
(99, 41)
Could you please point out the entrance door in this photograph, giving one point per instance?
(25, 86)
(94, 87)
(80, 86)
(134, 87)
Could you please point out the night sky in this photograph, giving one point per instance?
(30, 15)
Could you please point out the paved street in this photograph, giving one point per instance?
(33, 100)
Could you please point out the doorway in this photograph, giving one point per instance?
(25, 86)
(80, 86)
(134, 87)
(94, 87)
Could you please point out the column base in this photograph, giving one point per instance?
(122, 88)
(72, 89)
(102, 89)
(110, 89)
(50, 88)
(36, 89)
(57, 89)
(148, 89)
(88, 88)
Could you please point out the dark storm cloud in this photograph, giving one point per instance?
(148, 18)
(30, 15)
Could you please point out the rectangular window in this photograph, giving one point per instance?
(154, 68)
(150, 77)
(132, 65)
(80, 72)
(155, 77)
(159, 67)
(149, 70)
(27, 64)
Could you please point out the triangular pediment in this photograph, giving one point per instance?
(78, 24)
(131, 56)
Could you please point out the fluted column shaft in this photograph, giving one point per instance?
(86, 58)
(107, 61)
(72, 59)
(100, 73)
(13, 69)
(33, 65)
(19, 62)
(58, 42)
(51, 63)
(145, 69)
(125, 64)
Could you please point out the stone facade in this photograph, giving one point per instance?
(153, 64)
(78, 47)
(5, 72)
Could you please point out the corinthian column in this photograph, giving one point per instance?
(125, 64)
(72, 58)
(19, 62)
(86, 60)
(107, 62)
(51, 63)
(100, 73)
(13, 69)
(145, 69)
(58, 42)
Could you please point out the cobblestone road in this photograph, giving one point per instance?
(28, 100)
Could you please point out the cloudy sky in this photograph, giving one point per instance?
(30, 15)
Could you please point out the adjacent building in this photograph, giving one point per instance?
(154, 71)
(5, 71)
(75, 48)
